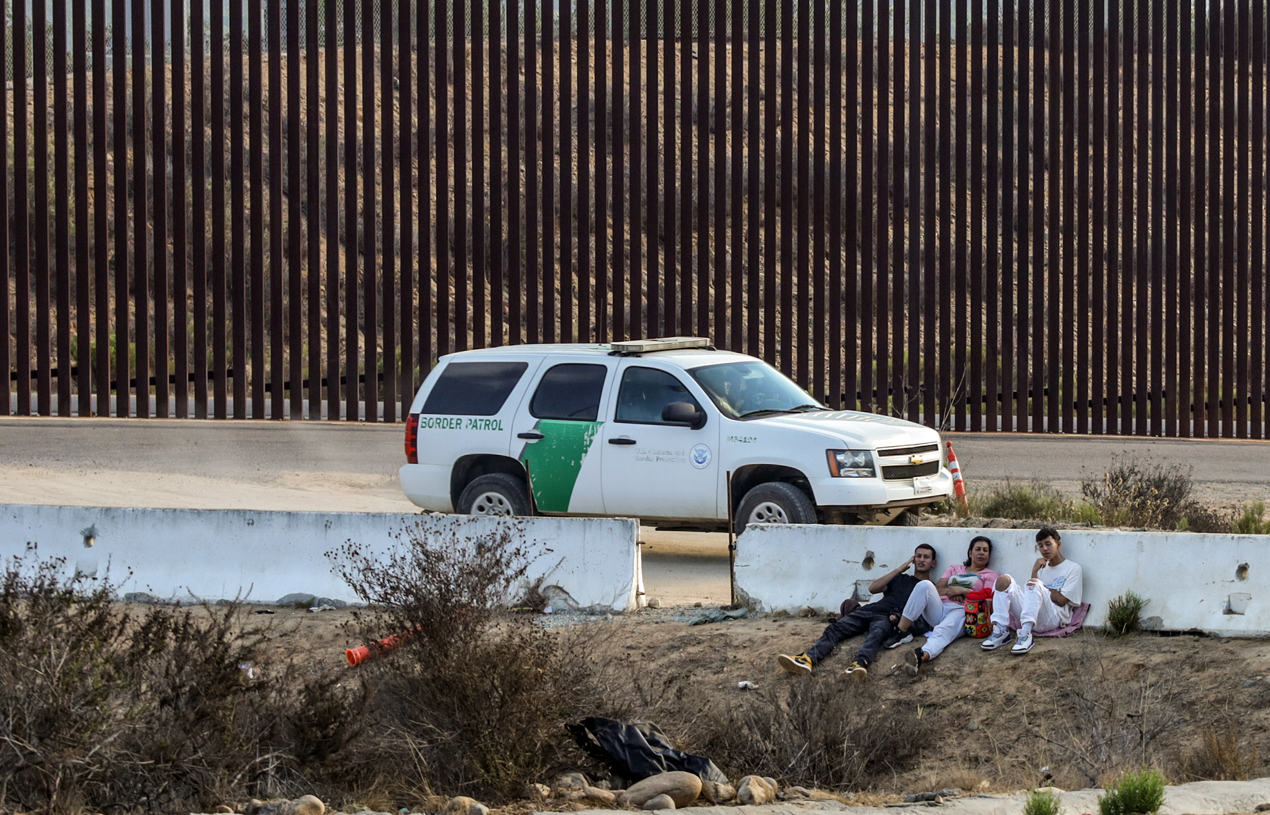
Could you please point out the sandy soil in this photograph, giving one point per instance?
(1003, 717)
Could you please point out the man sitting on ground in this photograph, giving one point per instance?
(1044, 603)
(876, 618)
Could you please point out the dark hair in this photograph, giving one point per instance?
(1047, 532)
(971, 548)
(933, 554)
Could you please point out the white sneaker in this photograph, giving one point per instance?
(1000, 636)
(1024, 643)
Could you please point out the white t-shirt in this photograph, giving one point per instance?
(1066, 578)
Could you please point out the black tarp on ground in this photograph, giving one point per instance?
(634, 752)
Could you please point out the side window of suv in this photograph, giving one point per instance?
(645, 392)
(473, 388)
(570, 392)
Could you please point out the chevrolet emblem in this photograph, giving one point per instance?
(916, 459)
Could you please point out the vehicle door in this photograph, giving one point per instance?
(654, 468)
(553, 433)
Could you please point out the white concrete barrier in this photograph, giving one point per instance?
(261, 556)
(1193, 581)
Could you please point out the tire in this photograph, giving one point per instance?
(496, 494)
(774, 502)
(909, 517)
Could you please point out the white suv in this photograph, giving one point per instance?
(671, 431)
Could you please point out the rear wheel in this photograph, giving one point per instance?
(497, 494)
(774, 503)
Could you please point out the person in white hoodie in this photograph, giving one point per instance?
(1044, 603)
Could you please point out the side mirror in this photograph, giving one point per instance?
(683, 413)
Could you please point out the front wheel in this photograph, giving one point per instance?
(909, 517)
(497, 494)
(774, 503)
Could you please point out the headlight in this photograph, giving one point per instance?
(851, 464)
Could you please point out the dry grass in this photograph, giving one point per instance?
(1221, 755)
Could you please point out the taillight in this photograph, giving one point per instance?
(412, 438)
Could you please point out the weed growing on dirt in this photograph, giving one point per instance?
(814, 733)
(1252, 521)
(1142, 493)
(169, 709)
(1219, 757)
(1033, 500)
(1136, 793)
(1200, 518)
(1107, 716)
(1041, 803)
(477, 701)
(1124, 614)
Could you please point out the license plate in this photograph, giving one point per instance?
(923, 485)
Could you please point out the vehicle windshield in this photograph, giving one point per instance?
(752, 389)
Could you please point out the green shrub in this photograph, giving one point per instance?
(1140, 793)
(1041, 802)
(1033, 501)
(1252, 521)
(1124, 614)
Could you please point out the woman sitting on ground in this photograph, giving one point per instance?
(943, 605)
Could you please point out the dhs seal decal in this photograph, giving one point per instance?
(700, 457)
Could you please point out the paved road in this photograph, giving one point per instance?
(1228, 471)
(343, 467)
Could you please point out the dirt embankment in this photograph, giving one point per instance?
(1071, 713)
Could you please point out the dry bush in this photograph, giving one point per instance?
(102, 708)
(477, 702)
(1218, 757)
(1107, 716)
(812, 736)
(1143, 493)
(816, 734)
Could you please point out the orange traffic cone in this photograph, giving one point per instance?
(362, 653)
(959, 484)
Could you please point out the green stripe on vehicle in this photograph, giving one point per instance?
(555, 461)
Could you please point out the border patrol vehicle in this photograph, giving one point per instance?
(671, 431)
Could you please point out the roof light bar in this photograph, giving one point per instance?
(659, 344)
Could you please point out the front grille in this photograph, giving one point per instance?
(909, 451)
(899, 472)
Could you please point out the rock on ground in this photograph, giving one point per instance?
(755, 790)
(572, 781)
(462, 805)
(717, 793)
(662, 801)
(597, 794)
(304, 805)
(682, 787)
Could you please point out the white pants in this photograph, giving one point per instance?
(1027, 604)
(948, 620)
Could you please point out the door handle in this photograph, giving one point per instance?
(622, 441)
(532, 435)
